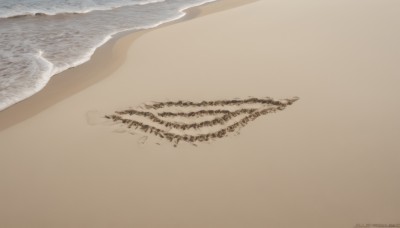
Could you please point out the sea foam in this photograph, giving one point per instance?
(34, 48)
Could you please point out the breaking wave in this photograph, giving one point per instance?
(17, 9)
(34, 48)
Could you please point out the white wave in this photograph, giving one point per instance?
(54, 59)
(21, 10)
(43, 69)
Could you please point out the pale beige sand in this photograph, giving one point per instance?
(330, 160)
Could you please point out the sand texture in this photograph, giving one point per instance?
(330, 160)
(178, 121)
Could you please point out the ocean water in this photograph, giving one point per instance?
(40, 38)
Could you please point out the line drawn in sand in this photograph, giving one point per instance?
(195, 122)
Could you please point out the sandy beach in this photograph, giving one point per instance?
(329, 160)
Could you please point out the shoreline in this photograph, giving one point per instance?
(110, 56)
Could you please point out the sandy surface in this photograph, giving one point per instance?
(330, 160)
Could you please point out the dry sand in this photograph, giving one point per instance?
(330, 160)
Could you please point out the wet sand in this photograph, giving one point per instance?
(330, 160)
